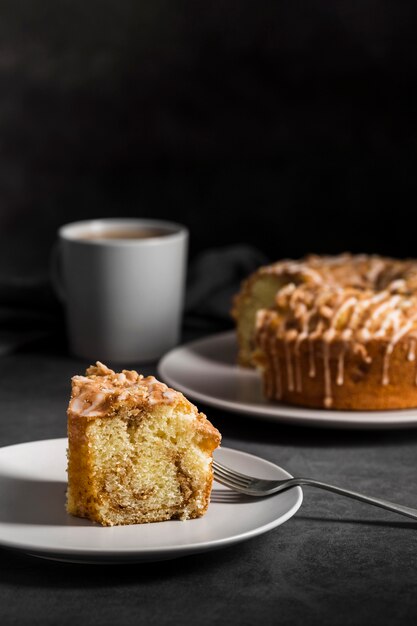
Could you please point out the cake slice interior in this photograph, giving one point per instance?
(138, 450)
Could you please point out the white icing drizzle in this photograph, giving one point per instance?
(327, 338)
(157, 391)
(298, 377)
(341, 365)
(400, 332)
(339, 309)
(312, 361)
(85, 407)
(347, 304)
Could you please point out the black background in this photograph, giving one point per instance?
(287, 125)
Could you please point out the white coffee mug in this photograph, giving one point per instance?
(122, 282)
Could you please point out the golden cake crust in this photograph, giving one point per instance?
(102, 391)
(124, 432)
(340, 333)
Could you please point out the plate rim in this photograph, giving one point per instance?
(296, 415)
(99, 555)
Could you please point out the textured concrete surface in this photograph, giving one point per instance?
(337, 562)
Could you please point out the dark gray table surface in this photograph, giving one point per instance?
(335, 562)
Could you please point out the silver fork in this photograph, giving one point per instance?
(252, 486)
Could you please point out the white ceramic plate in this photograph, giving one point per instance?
(33, 517)
(206, 370)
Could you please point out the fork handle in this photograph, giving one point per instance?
(383, 504)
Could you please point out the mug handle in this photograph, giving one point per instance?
(55, 272)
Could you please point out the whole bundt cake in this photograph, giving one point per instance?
(332, 332)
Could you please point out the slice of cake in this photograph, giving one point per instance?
(138, 451)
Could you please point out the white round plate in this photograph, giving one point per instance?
(206, 371)
(33, 518)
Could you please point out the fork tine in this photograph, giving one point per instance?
(219, 476)
(229, 470)
(233, 477)
(229, 483)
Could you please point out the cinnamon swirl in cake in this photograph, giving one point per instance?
(138, 451)
(332, 332)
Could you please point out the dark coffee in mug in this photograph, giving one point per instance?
(127, 233)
